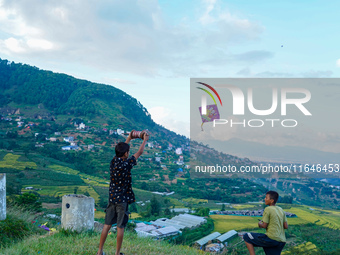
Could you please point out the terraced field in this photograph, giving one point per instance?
(88, 179)
(224, 223)
(11, 161)
(243, 207)
(60, 191)
(326, 218)
(307, 248)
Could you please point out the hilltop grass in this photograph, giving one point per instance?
(20, 235)
(65, 242)
(17, 226)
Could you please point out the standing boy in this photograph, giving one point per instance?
(274, 220)
(121, 193)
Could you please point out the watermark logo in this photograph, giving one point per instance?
(208, 112)
(287, 96)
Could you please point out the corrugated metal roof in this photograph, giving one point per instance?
(167, 230)
(167, 223)
(208, 238)
(192, 216)
(181, 221)
(227, 235)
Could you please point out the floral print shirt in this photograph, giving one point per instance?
(120, 185)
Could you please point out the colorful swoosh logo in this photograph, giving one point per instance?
(209, 93)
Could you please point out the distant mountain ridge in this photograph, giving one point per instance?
(261, 152)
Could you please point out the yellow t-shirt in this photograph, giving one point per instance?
(275, 217)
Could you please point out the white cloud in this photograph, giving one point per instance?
(167, 118)
(13, 45)
(124, 36)
(206, 18)
(338, 63)
(39, 44)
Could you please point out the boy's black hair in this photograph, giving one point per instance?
(121, 148)
(273, 195)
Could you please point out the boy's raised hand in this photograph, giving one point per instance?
(130, 135)
(146, 137)
(129, 138)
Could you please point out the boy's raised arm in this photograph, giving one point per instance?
(141, 148)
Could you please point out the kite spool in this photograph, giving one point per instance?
(139, 134)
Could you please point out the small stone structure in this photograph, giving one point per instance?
(77, 212)
(2, 196)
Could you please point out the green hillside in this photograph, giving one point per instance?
(38, 109)
(60, 94)
(46, 103)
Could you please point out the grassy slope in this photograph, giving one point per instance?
(38, 241)
(87, 243)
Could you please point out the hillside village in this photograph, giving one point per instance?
(169, 159)
(75, 138)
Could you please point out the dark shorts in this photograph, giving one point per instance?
(270, 246)
(117, 213)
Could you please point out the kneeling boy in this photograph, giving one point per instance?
(274, 220)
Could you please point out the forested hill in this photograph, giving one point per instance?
(61, 94)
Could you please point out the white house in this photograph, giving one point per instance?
(180, 160)
(69, 139)
(68, 148)
(120, 131)
(179, 151)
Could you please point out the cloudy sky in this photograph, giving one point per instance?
(150, 49)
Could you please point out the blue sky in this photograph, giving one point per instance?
(151, 49)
